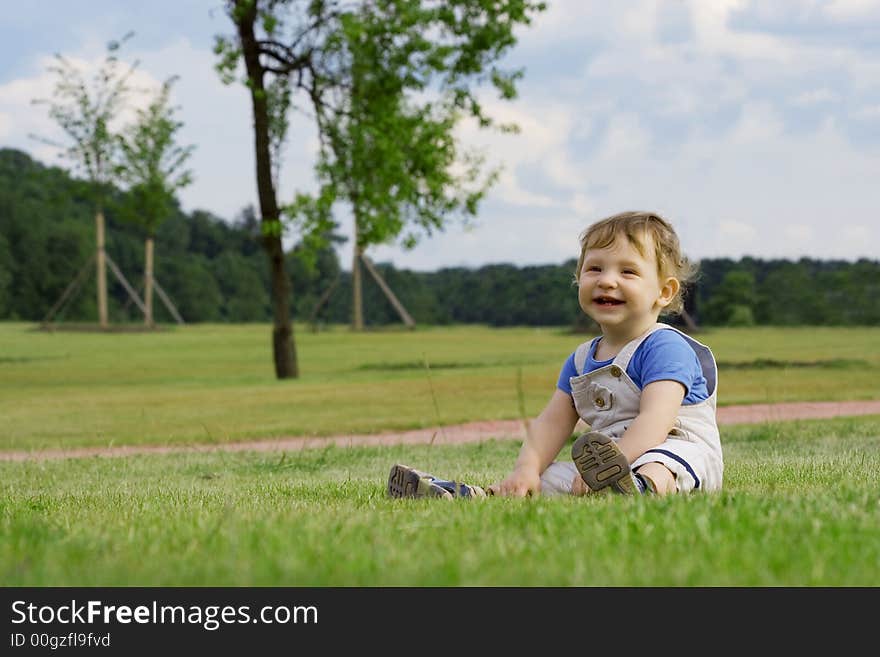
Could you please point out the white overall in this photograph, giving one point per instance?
(608, 401)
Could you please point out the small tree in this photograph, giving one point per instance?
(85, 113)
(153, 165)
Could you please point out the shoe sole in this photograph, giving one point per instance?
(405, 482)
(601, 464)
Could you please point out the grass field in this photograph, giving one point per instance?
(215, 383)
(800, 506)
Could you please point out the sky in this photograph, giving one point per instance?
(754, 127)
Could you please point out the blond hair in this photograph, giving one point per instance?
(642, 229)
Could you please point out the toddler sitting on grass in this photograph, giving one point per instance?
(647, 391)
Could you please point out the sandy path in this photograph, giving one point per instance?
(461, 433)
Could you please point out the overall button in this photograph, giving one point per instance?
(616, 371)
(599, 402)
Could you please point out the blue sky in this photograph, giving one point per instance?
(753, 126)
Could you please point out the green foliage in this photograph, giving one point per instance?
(5, 276)
(197, 291)
(46, 222)
(788, 293)
(241, 287)
(151, 163)
(740, 315)
(388, 82)
(85, 112)
(732, 300)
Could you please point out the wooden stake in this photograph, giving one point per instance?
(405, 316)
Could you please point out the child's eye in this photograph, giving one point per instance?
(630, 271)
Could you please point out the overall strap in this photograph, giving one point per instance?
(624, 355)
(704, 354)
(580, 355)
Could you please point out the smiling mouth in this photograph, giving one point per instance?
(607, 301)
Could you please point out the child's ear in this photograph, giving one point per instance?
(667, 293)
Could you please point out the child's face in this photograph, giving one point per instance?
(621, 289)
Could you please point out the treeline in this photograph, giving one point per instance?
(216, 271)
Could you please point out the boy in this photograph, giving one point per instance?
(647, 391)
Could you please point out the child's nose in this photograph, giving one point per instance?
(606, 279)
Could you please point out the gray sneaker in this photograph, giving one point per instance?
(601, 464)
(404, 481)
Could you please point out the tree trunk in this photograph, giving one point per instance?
(357, 298)
(102, 268)
(148, 282)
(284, 348)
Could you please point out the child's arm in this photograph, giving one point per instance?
(658, 408)
(546, 436)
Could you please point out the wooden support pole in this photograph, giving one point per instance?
(165, 300)
(405, 316)
(148, 282)
(324, 299)
(102, 269)
(69, 291)
(128, 288)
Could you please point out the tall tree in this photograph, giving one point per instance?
(269, 83)
(85, 112)
(152, 163)
(359, 66)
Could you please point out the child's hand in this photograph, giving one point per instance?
(518, 483)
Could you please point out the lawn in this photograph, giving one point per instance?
(799, 508)
(799, 505)
(215, 383)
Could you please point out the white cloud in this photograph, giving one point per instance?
(867, 113)
(846, 10)
(758, 122)
(816, 97)
(737, 230)
(799, 234)
(582, 205)
(714, 36)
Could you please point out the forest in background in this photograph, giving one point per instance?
(214, 270)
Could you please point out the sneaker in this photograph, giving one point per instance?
(601, 464)
(404, 481)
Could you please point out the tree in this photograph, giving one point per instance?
(388, 143)
(85, 113)
(152, 164)
(733, 301)
(359, 67)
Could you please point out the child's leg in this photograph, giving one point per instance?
(601, 464)
(404, 481)
(693, 466)
(557, 478)
(659, 478)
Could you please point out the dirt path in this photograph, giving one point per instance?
(462, 433)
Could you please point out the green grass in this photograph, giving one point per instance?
(800, 507)
(215, 383)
